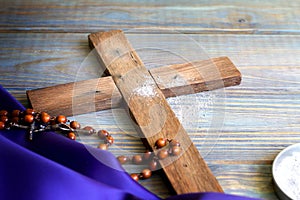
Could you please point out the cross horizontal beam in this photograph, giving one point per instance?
(101, 93)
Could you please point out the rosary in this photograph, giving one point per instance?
(37, 122)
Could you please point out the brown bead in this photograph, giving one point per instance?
(162, 154)
(103, 146)
(45, 117)
(146, 173)
(122, 159)
(29, 111)
(28, 119)
(175, 150)
(161, 142)
(153, 165)
(72, 136)
(4, 118)
(109, 140)
(75, 125)
(3, 112)
(61, 119)
(2, 125)
(147, 155)
(174, 143)
(102, 134)
(135, 176)
(15, 113)
(90, 130)
(137, 159)
(15, 119)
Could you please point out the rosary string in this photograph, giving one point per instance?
(39, 122)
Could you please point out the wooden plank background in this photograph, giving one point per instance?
(208, 16)
(45, 43)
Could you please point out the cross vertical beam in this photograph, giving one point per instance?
(153, 116)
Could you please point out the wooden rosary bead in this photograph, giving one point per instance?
(137, 159)
(75, 125)
(135, 176)
(162, 154)
(146, 173)
(2, 125)
(175, 150)
(15, 113)
(90, 130)
(4, 118)
(45, 117)
(153, 165)
(102, 134)
(28, 119)
(29, 111)
(61, 119)
(147, 155)
(174, 143)
(160, 143)
(71, 135)
(109, 140)
(122, 159)
(103, 146)
(3, 112)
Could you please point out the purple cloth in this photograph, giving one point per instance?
(54, 167)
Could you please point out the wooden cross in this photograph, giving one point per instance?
(145, 93)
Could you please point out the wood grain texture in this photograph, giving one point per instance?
(234, 16)
(261, 115)
(77, 97)
(152, 114)
(199, 76)
(98, 94)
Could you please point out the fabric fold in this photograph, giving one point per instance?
(72, 155)
(55, 167)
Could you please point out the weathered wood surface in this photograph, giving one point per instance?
(198, 76)
(261, 115)
(99, 94)
(152, 114)
(207, 16)
(264, 109)
(77, 97)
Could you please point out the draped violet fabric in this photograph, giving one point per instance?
(54, 167)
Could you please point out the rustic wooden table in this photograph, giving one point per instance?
(238, 130)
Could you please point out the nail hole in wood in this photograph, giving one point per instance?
(241, 20)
